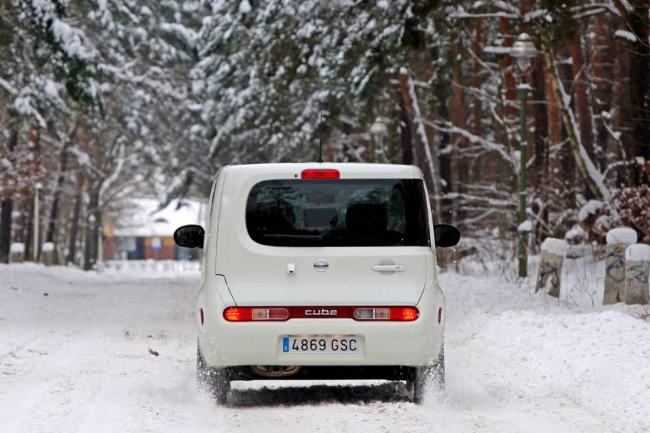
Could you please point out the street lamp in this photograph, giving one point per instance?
(523, 51)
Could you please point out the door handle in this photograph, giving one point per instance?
(388, 268)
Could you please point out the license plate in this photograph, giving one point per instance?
(321, 344)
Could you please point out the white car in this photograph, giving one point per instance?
(319, 270)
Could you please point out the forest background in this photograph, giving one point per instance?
(106, 99)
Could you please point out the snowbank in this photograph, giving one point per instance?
(621, 235)
(525, 226)
(599, 360)
(555, 246)
(576, 234)
(17, 248)
(48, 247)
(638, 252)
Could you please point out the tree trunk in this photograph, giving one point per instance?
(7, 204)
(601, 60)
(580, 96)
(6, 209)
(459, 163)
(28, 237)
(91, 247)
(622, 100)
(540, 140)
(74, 224)
(510, 112)
(406, 127)
(418, 157)
(640, 78)
(54, 210)
(592, 177)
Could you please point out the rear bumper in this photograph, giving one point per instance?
(390, 372)
(408, 344)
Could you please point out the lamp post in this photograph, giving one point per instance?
(523, 51)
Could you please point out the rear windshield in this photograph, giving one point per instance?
(358, 212)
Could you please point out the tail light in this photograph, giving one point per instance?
(392, 314)
(279, 314)
(255, 314)
(320, 174)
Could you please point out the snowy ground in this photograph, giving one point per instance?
(74, 357)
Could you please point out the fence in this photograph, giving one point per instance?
(172, 266)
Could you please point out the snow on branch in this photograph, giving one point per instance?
(622, 5)
(421, 129)
(7, 86)
(23, 104)
(626, 35)
(188, 36)
(470, 15)
(591, 9)
(595, 179)
(73, 41)
(449, 128)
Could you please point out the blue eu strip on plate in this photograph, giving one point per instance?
(285, 344)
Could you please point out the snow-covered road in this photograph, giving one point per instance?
(76, 356)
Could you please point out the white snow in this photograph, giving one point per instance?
(525, 226)
(188, 35)
(73, 41)
(7, 86)
(621, 235)
(638, 252)
(497, 49)
(244, 7)
(575, 234)
(78, 360)
(17, 248)
(47, 247)
(555, 246)
(51, 89)
(142, 217)
(624, 34)
(590, 208)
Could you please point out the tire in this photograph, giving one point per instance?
(419, 383)
(216, 381)
(424, 375)
(438, 371)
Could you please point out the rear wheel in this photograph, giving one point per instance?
(216, 381)
(423, 376)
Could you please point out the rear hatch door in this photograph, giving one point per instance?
(325, 242)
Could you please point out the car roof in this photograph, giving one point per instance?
(347, 170)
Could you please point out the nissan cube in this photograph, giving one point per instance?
(319, 271)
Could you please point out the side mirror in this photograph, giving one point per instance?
(189, 236)
(446, 235)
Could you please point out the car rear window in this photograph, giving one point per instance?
(350, 212)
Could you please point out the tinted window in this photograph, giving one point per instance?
(368, 212)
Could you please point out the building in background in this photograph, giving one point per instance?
(140, 230)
